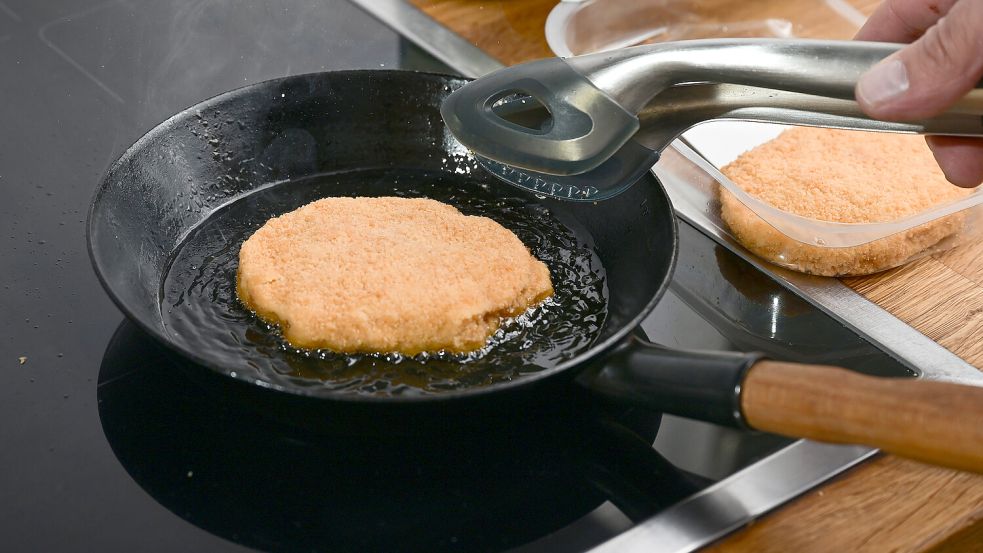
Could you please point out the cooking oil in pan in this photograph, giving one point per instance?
(200, 307)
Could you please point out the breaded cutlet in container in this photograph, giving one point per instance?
(815, 202)
(821, 201)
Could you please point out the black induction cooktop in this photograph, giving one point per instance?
(107, 444)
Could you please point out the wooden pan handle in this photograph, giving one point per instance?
(934, 422)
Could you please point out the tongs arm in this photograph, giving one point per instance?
(633, 76)
(681, 107)
(585, 128)
(594, 101)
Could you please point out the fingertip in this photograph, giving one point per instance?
(881, 86)
(924, 78)
(961, 159)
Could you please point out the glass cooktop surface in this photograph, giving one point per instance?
(109, 445)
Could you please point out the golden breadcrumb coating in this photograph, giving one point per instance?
(840, 176)
(367, 275)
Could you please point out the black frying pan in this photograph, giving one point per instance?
(276, 487)
(166, 223)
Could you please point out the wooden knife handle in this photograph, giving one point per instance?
(934, 422)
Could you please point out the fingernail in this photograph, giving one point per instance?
(883, 82)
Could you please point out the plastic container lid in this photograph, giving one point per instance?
(576, 27)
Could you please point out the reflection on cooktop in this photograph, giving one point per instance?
(9, 21)
(138, 50)
(239, 474)
(758, 314)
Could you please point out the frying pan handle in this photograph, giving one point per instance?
(934, 422)
(694, 384)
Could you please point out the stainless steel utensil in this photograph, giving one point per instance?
(585, 128)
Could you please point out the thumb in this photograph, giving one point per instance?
(926, 77)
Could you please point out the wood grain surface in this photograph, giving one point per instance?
(941, 296)
(907, 417)
(888, 504)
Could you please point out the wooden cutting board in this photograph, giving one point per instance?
(888, 504)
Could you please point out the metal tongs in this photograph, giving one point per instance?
(586, 128)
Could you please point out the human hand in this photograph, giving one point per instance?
(943, 62)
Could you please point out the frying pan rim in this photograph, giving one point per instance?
(593, 353)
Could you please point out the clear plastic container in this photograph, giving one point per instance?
(692, 169)
(796, 242)
(577, 27)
